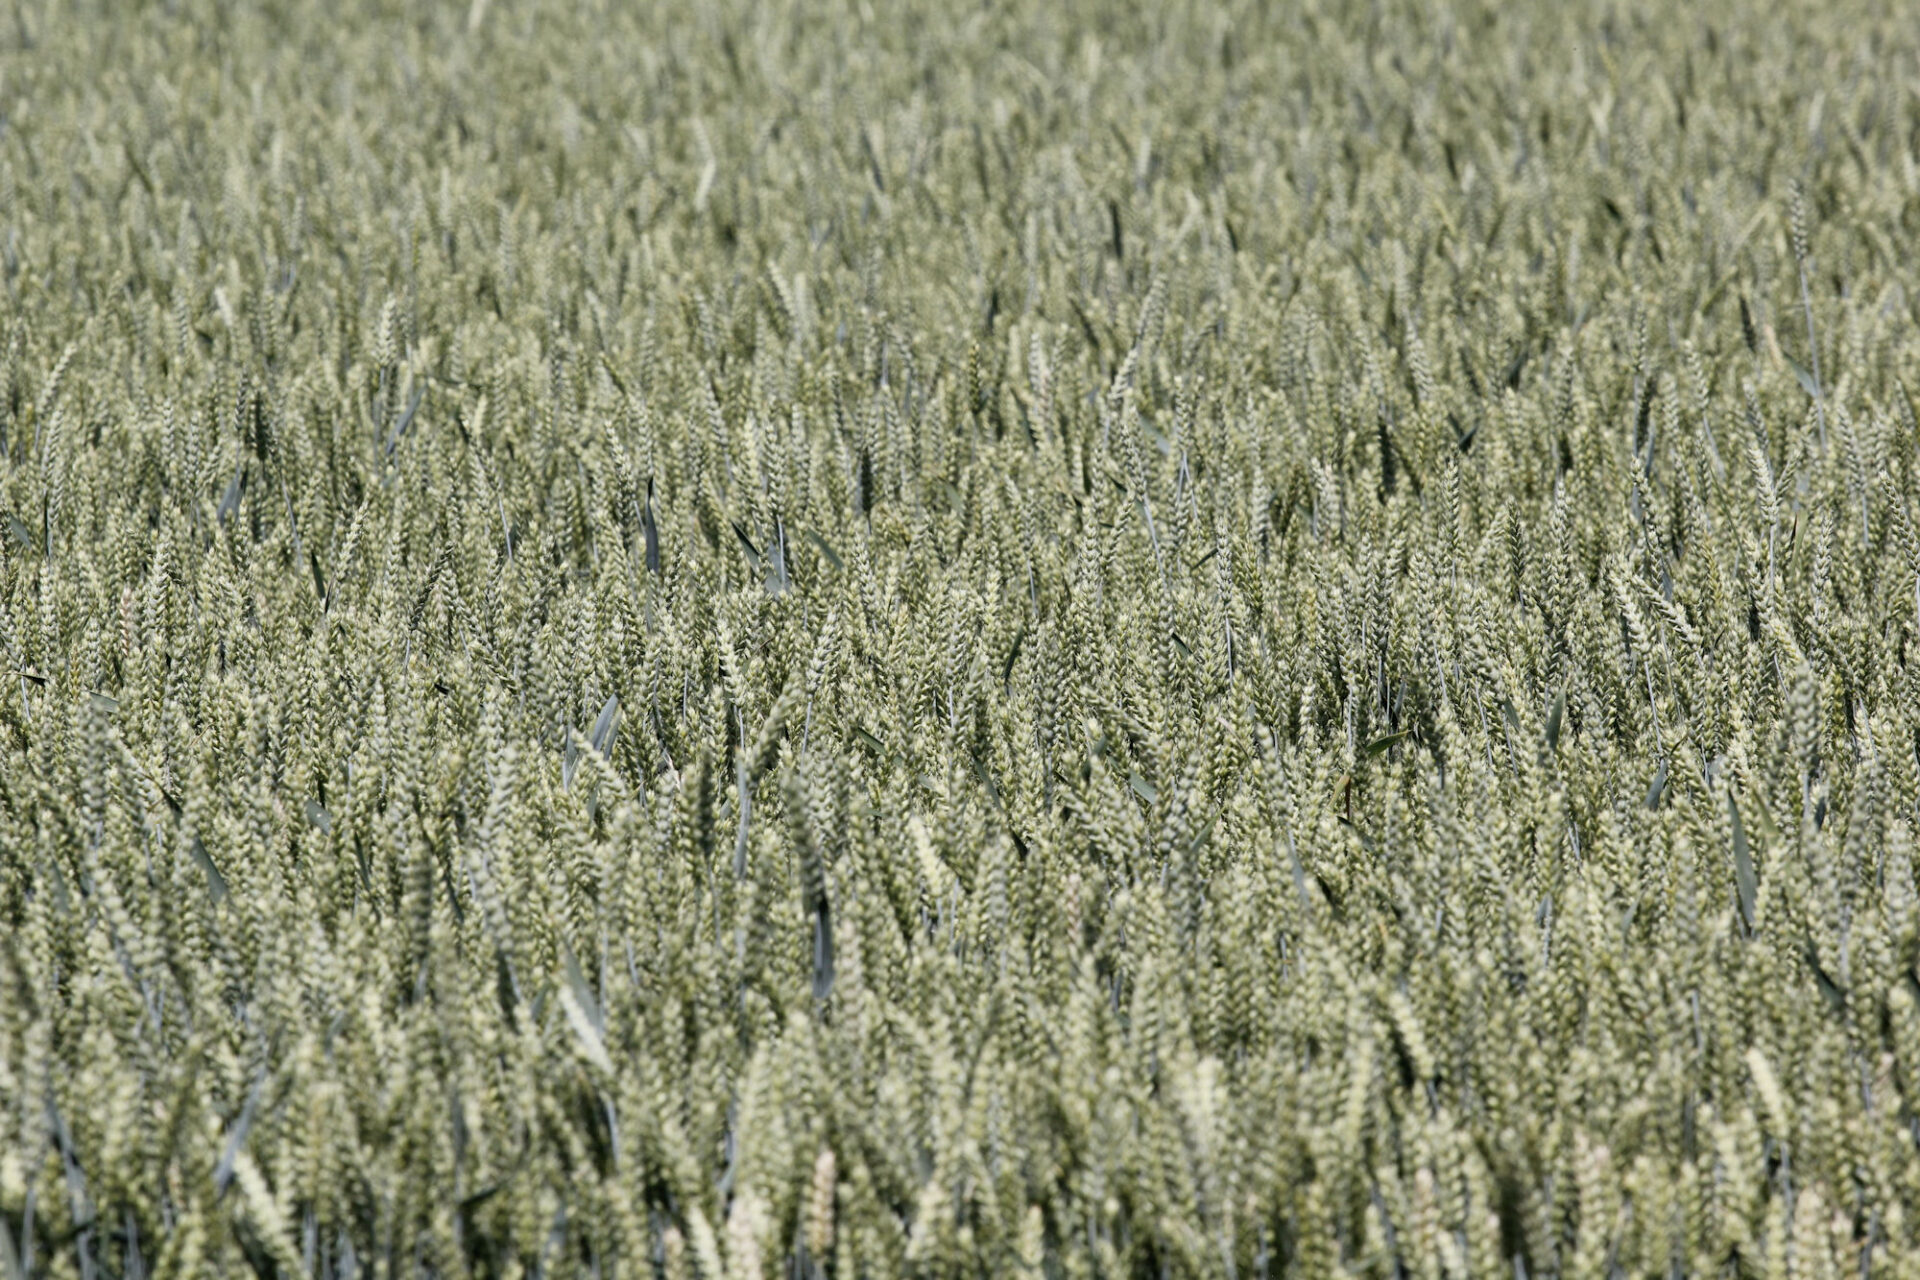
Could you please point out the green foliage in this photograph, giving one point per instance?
(852, 640)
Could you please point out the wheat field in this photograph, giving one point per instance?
(873, 638)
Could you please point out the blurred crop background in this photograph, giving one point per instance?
(873, 639)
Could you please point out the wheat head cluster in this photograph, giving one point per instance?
(875, 638)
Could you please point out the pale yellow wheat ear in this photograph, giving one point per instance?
(833, 641)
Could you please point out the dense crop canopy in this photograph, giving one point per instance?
(1041, 639)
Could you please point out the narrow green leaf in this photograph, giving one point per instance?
(746, 544)
(986, 778)
(1805, 377)
(1385, 742)
(216, 883)
(824, 548)
(650, 532)
(1743, 880)
(584, 1016)
(605, 726)
(21, 534)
